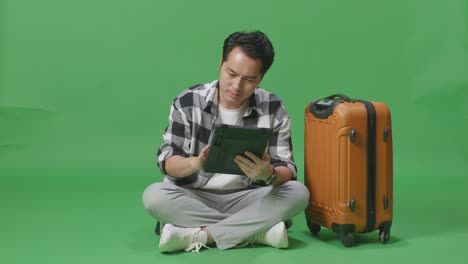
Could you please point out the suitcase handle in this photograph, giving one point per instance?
(341, 96)
(323, 108)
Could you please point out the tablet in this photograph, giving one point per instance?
(228, 141)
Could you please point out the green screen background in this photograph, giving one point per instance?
(85, 91)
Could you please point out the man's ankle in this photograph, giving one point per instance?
(210, 239)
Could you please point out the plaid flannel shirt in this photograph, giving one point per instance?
(193, 116)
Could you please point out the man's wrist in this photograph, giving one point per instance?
(195, 164)
(272, 178)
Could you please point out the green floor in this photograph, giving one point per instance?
(96, 216)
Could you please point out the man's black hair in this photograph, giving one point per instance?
(254, 44)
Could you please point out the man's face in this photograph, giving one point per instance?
(238, 78)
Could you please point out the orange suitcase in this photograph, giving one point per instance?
(349, 167)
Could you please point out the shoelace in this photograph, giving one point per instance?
(251, 241)
(246, 243)
(195, 247)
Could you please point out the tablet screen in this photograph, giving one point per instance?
(228, 141)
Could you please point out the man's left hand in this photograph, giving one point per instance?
(255, 168)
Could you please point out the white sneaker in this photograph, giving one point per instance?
(178, 238)
(276, 237)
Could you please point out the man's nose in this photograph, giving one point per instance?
(236, 83)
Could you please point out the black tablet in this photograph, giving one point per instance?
(228, 141)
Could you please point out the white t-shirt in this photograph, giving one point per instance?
(219, 181)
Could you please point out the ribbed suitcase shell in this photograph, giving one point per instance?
(336, 171)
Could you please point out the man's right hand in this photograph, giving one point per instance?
(199, 161)
(179, 166)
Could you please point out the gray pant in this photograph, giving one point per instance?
(230, 216)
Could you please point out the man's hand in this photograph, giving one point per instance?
(256, 168)
(179, 166)
(199, 161)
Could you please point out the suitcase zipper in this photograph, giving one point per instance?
(371, 165)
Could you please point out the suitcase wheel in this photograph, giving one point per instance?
(384, 236)
(314, 229)
(347, 239)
